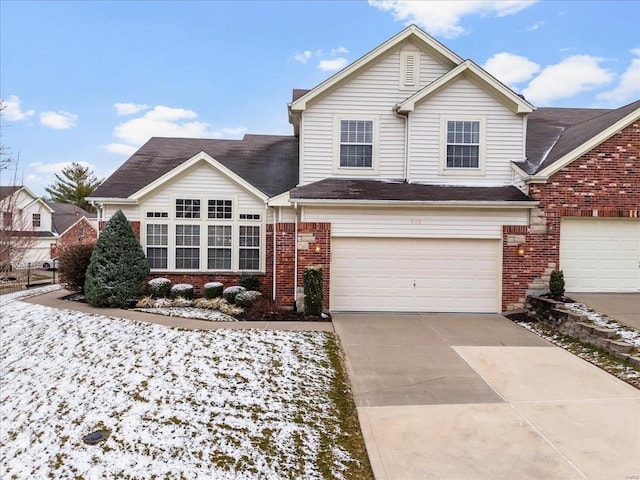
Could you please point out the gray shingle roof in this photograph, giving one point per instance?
(8, 190)
(65, 214)
(554, 132)
(268, 162)
(349, 189)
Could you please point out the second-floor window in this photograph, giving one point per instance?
(356, 144)
(463, 144)
(187, 208)
(36, 220)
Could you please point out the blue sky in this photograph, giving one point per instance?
(91, 81)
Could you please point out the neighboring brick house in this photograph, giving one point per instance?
(414, 178)
(73, 225)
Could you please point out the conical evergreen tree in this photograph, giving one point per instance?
(75, 183)
(118, 266)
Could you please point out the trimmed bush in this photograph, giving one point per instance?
(159, 287)
(182, 290)
(313, 291)
(556, 284)
(213, 290)
(118, 266)
(248, 298)
(229, 293)
(250, 282)
(72, 265)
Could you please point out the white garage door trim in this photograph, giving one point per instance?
(416, 275)
(600, 254)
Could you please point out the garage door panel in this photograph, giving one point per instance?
(445, 275)
(600, 255)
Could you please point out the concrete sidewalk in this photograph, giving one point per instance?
(52, 299)
(478, 397)
(622, 307)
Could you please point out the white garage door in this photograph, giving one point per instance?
(600, 255)
(415, 275)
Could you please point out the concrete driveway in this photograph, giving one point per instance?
(478, 397)
(623, 307)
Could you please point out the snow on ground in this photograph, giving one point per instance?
(190, 312)
(628, 334)
(223, 404)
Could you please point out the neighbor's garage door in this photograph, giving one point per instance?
(415, 275)
(600, 255)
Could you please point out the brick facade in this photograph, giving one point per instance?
(605, 182)
(80, 233)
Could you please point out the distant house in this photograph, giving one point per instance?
(33, 230)
(413, 177)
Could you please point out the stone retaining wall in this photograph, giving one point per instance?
(552, 313)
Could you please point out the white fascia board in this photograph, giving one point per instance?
(588, 145)
(492, 86)
(95, 227)
(44, 204)
(411, 31)
(519, 171)
(197, 158)
(416, 203)
(113, 200)
(281, 200)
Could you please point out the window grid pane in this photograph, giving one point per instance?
(220, 209)
(187, 208)
(249, 254)
(219, 257)
(356, 143)
(187, 236)
(463, 144)
(157, 241)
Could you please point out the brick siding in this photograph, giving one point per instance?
(605, 182)
(73, 237)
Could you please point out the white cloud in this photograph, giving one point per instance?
(570, 77)
(59, 120)
(13, 111)
(303, 57)
(40, 167)
(121, 149)
(535, 26)
(164, 121)
(129, 108)
(442, 17)
(511, 69)
(628, 87)
(339, 51)
(333, 64)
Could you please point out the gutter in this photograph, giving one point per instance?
(395, 109)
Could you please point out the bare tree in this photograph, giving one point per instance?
(17, 228)
(5, 152)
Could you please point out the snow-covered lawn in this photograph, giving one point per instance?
(216, 404)
(190, 312)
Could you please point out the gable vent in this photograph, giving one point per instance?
(409, 70)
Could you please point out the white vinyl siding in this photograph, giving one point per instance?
(416, 222)
(222, 203)
(372, 92)
(503, 142)
(600, 254)
(415, 275)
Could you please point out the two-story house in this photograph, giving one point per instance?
(33, 230)
(414, 178)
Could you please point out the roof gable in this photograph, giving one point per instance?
(556, 137)
(197, 159)
(409, 34)
(477, 75)
(267, 162)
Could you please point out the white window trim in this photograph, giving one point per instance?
(351, 171)
(204, 222)
(403, 85)
(167, 246)
(463, 171)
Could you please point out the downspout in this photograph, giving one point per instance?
(273, 288)
(295, 260)
(406, 140)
